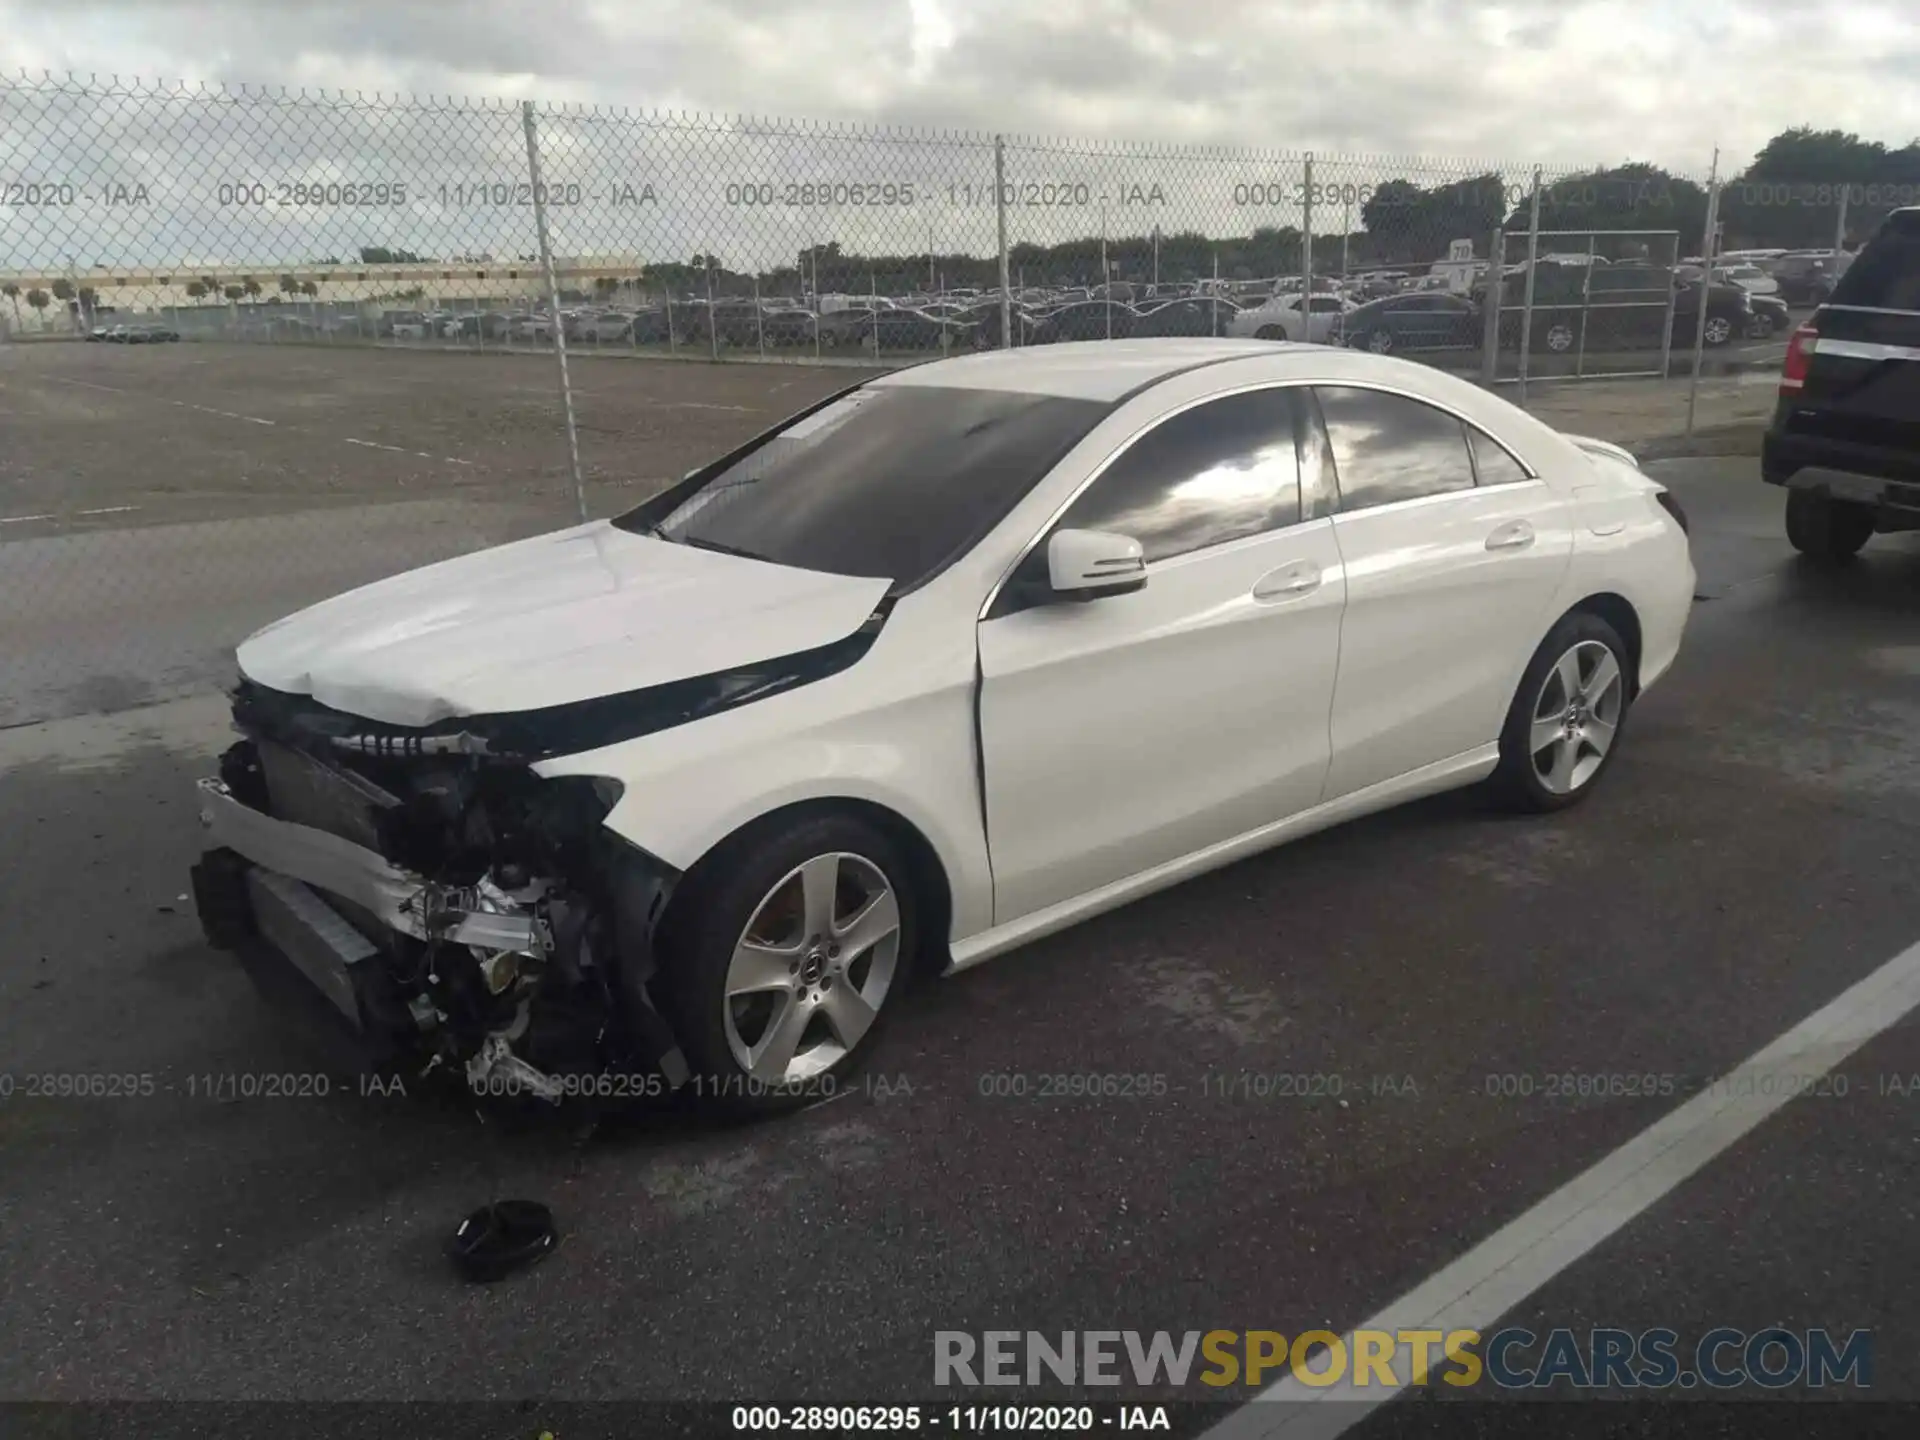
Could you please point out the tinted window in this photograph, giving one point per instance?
(1885, 275)
(891, 481)
(1492, 464)
(1388, 448)
(1218, 472)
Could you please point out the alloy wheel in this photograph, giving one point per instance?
(1576, 716)
(1719, 330)
(1560, 338)
(812, 969)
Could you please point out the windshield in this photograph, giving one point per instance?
(890, 482)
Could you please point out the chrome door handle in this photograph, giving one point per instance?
(1300, 578)
(1516, 535)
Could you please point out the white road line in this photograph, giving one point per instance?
(110, 510)
(702, 405)
(402, 450)
(22, 519)
(87, 384)
(1477, 1289)
(224, 414)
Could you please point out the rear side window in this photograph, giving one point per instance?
(1886, 275)
(1388, 448)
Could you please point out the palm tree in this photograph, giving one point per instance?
(12, 292)
(252, 288)
(38, 299)
(196, 289)
(63, 292)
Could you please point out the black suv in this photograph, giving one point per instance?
(1845, 438)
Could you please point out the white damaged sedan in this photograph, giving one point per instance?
(954, 659)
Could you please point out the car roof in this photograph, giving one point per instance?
(1082, 370)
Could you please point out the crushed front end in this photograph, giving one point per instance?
(459, 912)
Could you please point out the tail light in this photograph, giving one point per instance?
(1672, 507)
(1799, 358)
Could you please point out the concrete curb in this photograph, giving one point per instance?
(1742, 438)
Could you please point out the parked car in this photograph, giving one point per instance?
(1281, 319)
(1410, 322)
(1621, 307)
(914, 330)
(788, 325)
(969, 653)
(98, 333)
(147, 334)
(402, 325)
(530, 328)
(608, 327)
(1770, 317)
(1192, 316)
(1845, 437)
(1808, 277)
(1086, 320)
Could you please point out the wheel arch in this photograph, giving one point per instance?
(933, 887)
(1617, 611)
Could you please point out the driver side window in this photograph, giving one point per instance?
(1220, 471)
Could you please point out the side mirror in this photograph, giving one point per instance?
(1087, 564)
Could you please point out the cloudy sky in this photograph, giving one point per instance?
(1563, 81)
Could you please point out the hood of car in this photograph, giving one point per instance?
(582, 613)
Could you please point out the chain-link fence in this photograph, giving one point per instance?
(374, 292)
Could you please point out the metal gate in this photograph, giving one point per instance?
(1584, 305)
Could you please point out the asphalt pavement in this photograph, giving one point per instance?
(1748, 859)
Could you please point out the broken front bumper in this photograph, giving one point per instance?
(274, 886)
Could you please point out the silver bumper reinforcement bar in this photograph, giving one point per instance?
(398, 898)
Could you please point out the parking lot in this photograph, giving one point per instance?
(1746, 862)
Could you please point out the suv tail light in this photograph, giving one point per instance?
(1799, 358)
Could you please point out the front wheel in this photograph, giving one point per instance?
(1719, 330)
(1827, 530)
(1565, 720)
(781, 957)
(1380, 342)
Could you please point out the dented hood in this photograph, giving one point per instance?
(560, 618)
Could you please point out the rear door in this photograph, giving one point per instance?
(1454, 553)
(1862, 388)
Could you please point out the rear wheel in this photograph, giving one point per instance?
(782, 956)
(1560, 338)
(1380, 341)
(1565, 720)
(1825, 529)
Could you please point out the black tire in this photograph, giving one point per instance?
(1380, 342)
(710, 914)
(1270, 332)
(1517, 784)
(1718, 324)
(1827, 530)
(1564, 335)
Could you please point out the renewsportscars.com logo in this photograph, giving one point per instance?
(1511, 1359)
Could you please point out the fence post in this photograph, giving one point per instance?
(553, 305)
(1709, 242)
(1533, 270)
(1490, 310)
(1306, 255)
(1840, 226)
(1215, 306)
(1000, 225)
(759, 317)
(713, 320)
